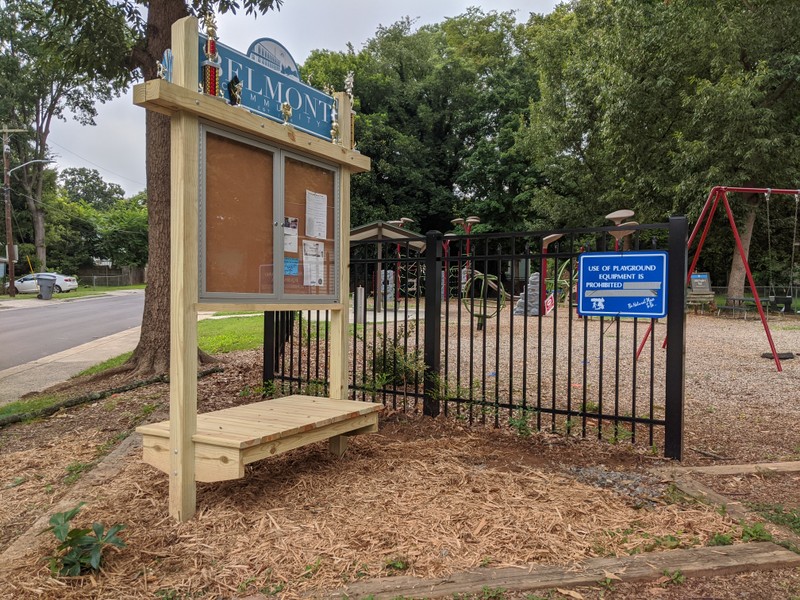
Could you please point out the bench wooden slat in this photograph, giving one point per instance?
(228, 439)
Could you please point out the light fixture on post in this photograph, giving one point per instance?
(617, 217)
(466, 225)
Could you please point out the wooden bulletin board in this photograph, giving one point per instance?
(268, 222)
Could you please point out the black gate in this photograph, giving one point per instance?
(454, 324)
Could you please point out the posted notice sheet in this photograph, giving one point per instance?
(316, 215)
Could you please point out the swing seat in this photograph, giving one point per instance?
(781, 303)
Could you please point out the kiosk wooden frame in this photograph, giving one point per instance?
(216, 446)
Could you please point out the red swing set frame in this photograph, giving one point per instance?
(721, 193)
(716, 194)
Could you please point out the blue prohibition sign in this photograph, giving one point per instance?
(623, 284)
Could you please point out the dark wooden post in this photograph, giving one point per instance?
(433, 322)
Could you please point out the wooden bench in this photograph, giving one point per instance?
(700, 301)
(227, 440)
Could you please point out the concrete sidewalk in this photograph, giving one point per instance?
(57, 368)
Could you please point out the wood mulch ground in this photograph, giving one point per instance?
(422, 497)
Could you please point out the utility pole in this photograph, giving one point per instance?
(7, 187)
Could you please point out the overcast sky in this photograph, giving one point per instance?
(115, 146)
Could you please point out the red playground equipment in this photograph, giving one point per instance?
(707, 215)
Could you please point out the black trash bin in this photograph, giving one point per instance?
(47, 283)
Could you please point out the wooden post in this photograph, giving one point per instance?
(339, 317)
(183, 279)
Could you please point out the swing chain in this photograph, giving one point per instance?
(794, 243)
(767, 195)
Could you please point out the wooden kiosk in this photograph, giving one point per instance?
(259, 221)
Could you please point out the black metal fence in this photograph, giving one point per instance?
(453, 324)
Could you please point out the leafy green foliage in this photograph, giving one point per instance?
(87, 185)
(80, 549)
(646, 105)
(755, 532)
(398, 360)
(122, 229)
(776, 513)
(720, 539)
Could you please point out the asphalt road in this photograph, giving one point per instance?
(27, 334)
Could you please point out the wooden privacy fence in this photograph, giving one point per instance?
(460, 328)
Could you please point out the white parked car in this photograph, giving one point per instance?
(28, 285)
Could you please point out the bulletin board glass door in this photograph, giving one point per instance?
(309, 221)
(238, 217)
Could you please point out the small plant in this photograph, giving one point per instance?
(272, 589)
(245, 584)
(755, 533)
(80, 550)
(397, 564)
(672, 578)
(779, 515)
(607, 584)
(75, 470)
(311, 569)
(522, 423)
(720, 539)
(621, 434)
(399, 359)
(145, 411)
(488, 593)
(590, 407)
(674, 495)
(315, 387)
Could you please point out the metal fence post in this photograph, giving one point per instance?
(270, 341)
(676, 336)
(433, 322)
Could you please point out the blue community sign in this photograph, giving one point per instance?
(623, 284)
(268, 78)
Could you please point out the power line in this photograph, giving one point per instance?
(83, 158)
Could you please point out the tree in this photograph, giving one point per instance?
(88, 185)
(647, 105)
(46, 74)
(438, 111)
(154, 36)
(123, 233)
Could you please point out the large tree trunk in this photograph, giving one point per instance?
(151, 356)
(37, 216)
(737, 278)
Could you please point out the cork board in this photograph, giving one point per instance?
(309, 201)
(239, 229)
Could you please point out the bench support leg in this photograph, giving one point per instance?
(337, 445)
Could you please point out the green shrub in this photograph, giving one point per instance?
(80, 550)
